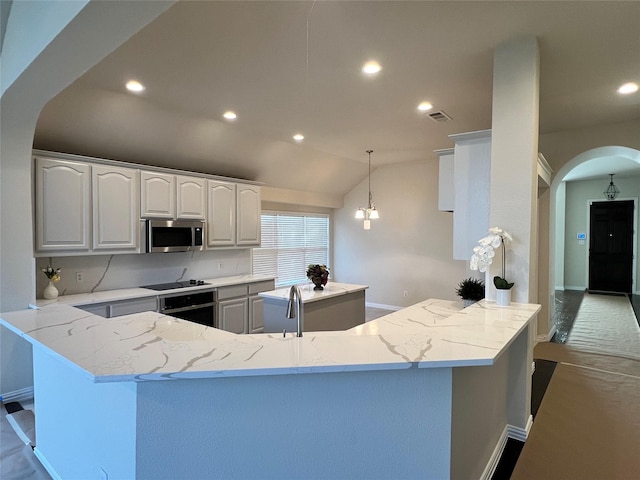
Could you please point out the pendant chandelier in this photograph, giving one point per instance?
(612, 191)
(369, 213)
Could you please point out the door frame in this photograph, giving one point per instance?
(634, 261)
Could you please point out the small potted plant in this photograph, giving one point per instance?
(53, 274)
(319, 275)
(470, 290)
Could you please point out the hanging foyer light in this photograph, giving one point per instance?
(370, 212)
(612, 191)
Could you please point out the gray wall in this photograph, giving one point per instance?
(578, 195)
(409, 248)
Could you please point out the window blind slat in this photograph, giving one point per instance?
(289, 243)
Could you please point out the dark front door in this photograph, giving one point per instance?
(611, 246)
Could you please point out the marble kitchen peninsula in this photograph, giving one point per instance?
(339, 306)
(430, 391)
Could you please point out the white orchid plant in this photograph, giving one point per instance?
(483, 255)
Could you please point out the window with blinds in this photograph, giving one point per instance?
(290, 242)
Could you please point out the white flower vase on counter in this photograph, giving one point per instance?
(50, 291)
(503, 297)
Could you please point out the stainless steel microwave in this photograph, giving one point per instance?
(174, 235)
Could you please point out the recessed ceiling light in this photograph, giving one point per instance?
(425, 106)
(298, 137)
(371, 68)
(134, 86)
(627, 88)
(229, 115)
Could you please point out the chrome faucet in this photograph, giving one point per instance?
(294, 294)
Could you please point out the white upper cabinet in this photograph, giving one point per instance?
(192, 197)
(62, 205)
(163, 195)
(157, 195)
(446, 197)
(116, 208)
(96, 206)
(472, 176)
(221, 216)
(249, 210)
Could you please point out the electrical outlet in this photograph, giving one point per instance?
(79, 277)
(405, 294)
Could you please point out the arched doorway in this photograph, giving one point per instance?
(575, 186)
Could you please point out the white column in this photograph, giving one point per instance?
(514, 154)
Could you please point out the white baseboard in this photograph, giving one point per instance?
(18, 395)
(559, 287)
(545, 337)
(382, 306)
(47, 466)
(509, 431)
(518, 433)
(581, 288)
(490, 469)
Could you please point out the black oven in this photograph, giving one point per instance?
(198, 307)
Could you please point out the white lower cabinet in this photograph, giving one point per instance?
(233, 315)
(240, 309)
(256, 304)
(256, 314)
(122, 307)
(115, 194)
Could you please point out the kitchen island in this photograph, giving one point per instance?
(430, 391)
(339, 306)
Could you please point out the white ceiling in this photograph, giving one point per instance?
(286, 67)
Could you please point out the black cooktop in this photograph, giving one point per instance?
(173, 285)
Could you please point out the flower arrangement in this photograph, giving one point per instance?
(52, 274)
(318, 274)
(483, 255)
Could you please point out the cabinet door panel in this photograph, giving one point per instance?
(157, 193)
(248, 211)
(115, 208)
(221, 215)
(62, 205)
(233, 315)
(256, 314)
(135, 305)
(192, 194)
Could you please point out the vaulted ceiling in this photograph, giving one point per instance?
(288, 67)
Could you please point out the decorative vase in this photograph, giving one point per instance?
(503, 297)
(318, 283)
(467, 303)
(50, 291)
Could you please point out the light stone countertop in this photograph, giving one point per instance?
(151, 346)
(137, 292)
(308, 294)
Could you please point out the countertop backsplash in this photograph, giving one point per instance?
(110, 272)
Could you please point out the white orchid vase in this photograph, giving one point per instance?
(483, 255)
